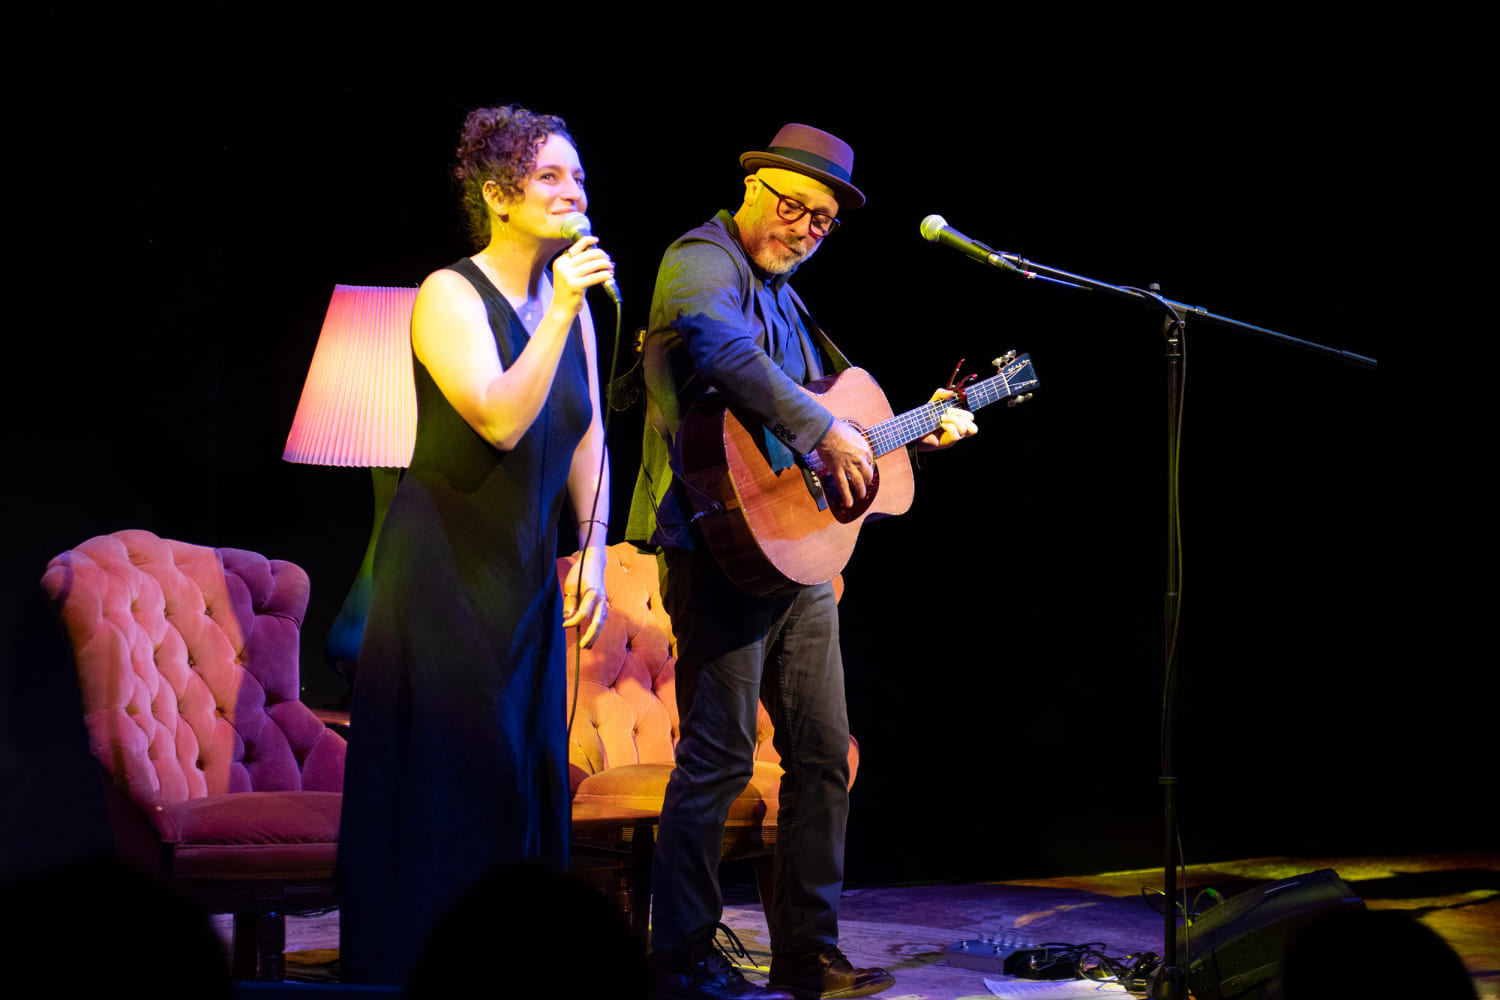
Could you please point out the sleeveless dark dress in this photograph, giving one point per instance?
(457, 753)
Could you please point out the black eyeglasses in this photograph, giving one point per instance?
(791, 210)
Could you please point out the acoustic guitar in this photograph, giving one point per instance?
(774, 530)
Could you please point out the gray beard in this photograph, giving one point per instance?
(771, 261)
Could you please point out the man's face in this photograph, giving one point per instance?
(775, 245)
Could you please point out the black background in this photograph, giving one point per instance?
(190, 200)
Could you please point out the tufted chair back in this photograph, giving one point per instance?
(627, 712)
(219, 778)
(187, 662)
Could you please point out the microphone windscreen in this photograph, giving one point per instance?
(575, 226)
(932, 227)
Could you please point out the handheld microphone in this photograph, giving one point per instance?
(575, 226)
(935, 229)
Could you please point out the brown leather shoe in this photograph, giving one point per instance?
(826, 975)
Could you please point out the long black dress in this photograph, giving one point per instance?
(457, 755)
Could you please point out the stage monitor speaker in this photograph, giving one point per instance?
(1234, 949)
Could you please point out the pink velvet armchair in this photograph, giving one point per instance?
(218, 777)
(620, 748)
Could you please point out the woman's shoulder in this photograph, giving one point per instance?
(453, 287)
(462, 275)
(446, 296)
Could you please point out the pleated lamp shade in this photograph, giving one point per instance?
(359, 404)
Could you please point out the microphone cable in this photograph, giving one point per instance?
(593, 523)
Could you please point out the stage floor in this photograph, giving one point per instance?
(908, 929)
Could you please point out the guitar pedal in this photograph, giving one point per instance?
(994, 955)
(1012, 957)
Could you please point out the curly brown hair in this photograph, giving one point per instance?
(500, 145)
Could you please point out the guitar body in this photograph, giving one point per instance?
(771, 531)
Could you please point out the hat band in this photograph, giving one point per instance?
(813, 160)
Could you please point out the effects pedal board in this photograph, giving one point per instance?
(1007, 955)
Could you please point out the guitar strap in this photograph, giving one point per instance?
(777, 453)
(835, 355)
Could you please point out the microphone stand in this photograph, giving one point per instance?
(1169, 981)
(1179, 311)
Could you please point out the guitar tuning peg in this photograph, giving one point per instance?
(1017, 400)
(1004, 359)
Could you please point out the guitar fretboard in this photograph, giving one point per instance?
(904, 428)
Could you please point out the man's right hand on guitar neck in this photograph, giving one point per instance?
(844, 462)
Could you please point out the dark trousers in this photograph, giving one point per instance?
(732, 650)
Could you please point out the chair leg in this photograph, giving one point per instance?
(642, 847)
(259, 951)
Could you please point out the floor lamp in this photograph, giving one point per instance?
(359, 408)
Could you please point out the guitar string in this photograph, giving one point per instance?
(890, 434)
(914, 424)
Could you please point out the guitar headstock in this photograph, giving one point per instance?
(1019, 376)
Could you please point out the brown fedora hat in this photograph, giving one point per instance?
(813, 152)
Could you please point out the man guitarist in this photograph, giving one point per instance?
(724, 320)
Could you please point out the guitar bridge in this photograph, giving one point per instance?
(814, 486)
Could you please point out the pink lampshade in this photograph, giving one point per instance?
(359, 403)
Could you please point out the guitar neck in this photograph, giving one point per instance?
(904, 428)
